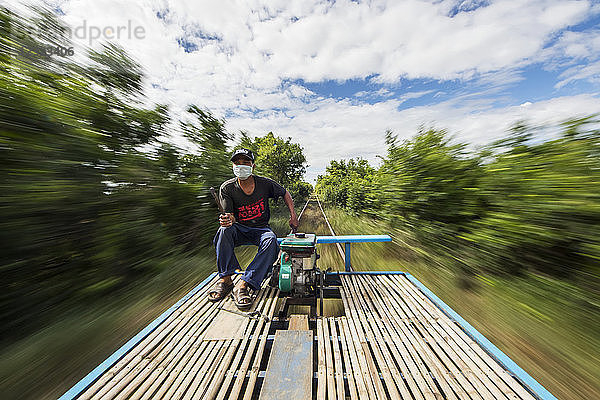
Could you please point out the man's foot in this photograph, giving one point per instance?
(221, 289)
(241, 296)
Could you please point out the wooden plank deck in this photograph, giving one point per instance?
(392, 342)
(289, 373)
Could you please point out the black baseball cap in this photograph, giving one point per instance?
(242, 152)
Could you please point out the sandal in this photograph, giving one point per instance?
(221, 290)
(241, 297)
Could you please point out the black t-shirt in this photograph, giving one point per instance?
(253, 209)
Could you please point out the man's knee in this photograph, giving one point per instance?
(223, 231)
(269, 239)
(226, 230)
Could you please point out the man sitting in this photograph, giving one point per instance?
(245, 200)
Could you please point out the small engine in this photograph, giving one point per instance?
(296, 271)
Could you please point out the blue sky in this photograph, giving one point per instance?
(537, 82)
(335, 76)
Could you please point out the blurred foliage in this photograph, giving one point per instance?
(427, 180)
(520, 204)
(542, 204)
(94, 195)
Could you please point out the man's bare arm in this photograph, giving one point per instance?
(289, 202)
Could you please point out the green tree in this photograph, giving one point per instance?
(281, 160)
(209, 167)
(348, 185)
(83, 210)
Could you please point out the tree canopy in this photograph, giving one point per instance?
(281, 160)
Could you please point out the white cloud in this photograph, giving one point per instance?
(414, 95)
(411, 39)
(340, 129)
(242, 50)
(578, 53)
(572, 47)
(481, 125)
(261, 44)
(590, 72)
(248, 56)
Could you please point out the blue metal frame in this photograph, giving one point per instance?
(347, 257)
(366, 273)
(117, 355)
(535, 387)
(350, 239)
(354, 239)
(347, 239)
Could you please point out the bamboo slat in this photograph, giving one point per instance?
(393, 342)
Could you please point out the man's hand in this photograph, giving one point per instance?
(226, 220)
(294, 222)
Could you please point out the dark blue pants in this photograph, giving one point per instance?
(228, 238)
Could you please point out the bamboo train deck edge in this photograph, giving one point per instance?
(393, 342)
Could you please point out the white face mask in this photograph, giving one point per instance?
(242, 171)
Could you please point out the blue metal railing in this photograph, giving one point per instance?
(348, 240)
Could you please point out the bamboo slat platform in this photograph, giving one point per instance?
(397, 344)
(392, 342)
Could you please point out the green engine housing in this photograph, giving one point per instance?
(297, 263)
(285, 273)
